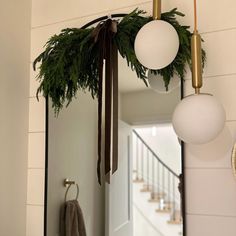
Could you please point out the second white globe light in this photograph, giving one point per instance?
(198, 119)
(156, 44)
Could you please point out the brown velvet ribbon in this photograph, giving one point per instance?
(103, 35)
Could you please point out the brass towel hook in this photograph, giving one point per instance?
(68, 183)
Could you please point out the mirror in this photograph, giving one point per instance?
(143, 197)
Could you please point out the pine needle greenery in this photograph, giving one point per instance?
(70, 62)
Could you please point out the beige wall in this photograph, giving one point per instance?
(211, 192)
(148, 106)
(14, 89)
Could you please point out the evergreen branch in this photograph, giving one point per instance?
(70, 61)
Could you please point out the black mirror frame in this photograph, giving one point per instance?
(183, 195)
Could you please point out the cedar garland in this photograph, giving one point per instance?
(73, 61)
(70, 62)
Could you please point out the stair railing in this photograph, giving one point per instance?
(160, 179)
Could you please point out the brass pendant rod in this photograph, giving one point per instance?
(156, 9)
(196, 53)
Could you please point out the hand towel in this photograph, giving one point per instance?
(71, 219)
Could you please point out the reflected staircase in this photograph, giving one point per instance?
(158, 179)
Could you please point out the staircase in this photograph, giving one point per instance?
(156, 182)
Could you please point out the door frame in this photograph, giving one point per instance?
(130, 192)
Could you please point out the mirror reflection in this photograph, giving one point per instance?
(156, 168)
(143, 197)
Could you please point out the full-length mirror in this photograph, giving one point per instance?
(143, 197)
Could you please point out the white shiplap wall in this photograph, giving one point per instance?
(36, 162)
(211, 192)
(210, 187)
(14, 89)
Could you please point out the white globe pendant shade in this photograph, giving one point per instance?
(156, 44)
(157, 83)
(198, 119)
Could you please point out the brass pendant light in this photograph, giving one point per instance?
(198, 118)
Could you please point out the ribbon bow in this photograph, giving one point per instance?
(103, 35)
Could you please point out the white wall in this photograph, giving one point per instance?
(211, 192)
(148, 106)
(210, 185)
(14, 89)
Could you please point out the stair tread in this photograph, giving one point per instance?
(164, 210)
(158, 194)
(138, 181)
(154, 200)
(144, 190)
(175, 222)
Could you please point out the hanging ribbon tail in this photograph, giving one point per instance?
(96, 31)
(100, 92)
(103, 34)
(108, 106)
(115, 108)
(99, 38)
